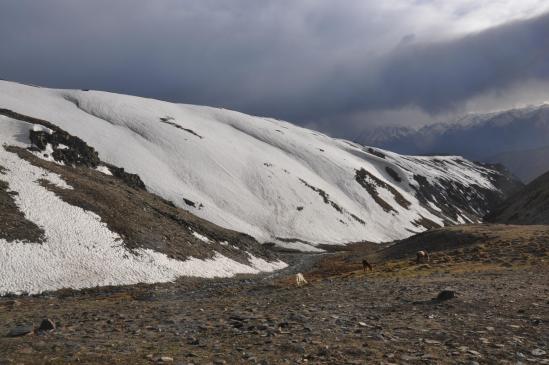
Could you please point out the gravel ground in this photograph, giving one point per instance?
(499, 315)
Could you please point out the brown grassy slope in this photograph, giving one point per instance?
(458, 248)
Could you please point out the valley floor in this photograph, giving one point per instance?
(344, 316)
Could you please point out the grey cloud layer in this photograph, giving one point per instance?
(298, 60)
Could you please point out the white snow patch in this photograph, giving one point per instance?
(103, 169)
(80, 251)
(433, 206)
(262, 265)
(41, 128)
(299, 246)
(201, 237)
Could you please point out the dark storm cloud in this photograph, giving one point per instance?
(309, 62)
(438, 76)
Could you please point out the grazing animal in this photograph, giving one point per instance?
(422, 256)
(366, 265)
(300, 279)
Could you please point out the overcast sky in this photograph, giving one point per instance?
(334, 65)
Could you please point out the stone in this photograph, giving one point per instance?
(538, 352)
(193, 341)
(21, 330)
(475, 353)
(323, 351)
(408, 358)
(290, 347)
(446, 295)
(46, 325)
(26, 350)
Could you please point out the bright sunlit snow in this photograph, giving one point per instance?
(255, 175)
(79, 250)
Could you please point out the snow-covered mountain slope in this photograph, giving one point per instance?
(515, 137)
(48, 241)
(268, 178)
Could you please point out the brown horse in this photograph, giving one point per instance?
(366, 265)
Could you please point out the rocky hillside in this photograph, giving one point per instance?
(528, 206)
(67, 219)
(516, 138)
(270, 179)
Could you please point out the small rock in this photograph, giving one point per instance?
(446, 295)
(323, 351)
(354, 351)
(193, 341)
(46, 325)
(290, 347)
(538, 352)
(219, 362)
(408, 358)
(475, 353)
(22, 330)
(165, 359)
(26, 350)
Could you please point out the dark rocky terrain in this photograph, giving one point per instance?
(499, 312)
(529, 205)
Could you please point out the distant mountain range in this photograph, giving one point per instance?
(517, 138)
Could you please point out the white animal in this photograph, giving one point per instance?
(300, 279)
